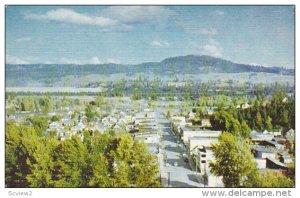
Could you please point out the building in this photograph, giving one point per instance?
(148, 138)
(180, 120)
(205, 123)
(204, 156)
(290, 135)
(274, 144)
(245, 106)
(255, 136)
(189, 132)
(261, 163)
(274, 133)
(285, 158)
(198, 142)
(263, 152)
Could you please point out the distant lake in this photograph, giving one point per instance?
(52, 89)
(70, 83)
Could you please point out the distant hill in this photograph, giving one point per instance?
(203, 64)
(190, 64)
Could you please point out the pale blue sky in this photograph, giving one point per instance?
(262, 35)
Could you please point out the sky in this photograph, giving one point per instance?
(257, 35)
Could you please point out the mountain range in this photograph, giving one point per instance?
(190, 64)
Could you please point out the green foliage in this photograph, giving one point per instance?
(269, 180)
(41, 163)
(46, 104)
(245, 130)
(258, 121)
(56, 118)
(234, 161)
(279, 113)
(89, 112)
(259, 91)
(17, 149)
(268, 124)
(69, 162)
(26, 104)
(40, 124)
(225, 121)
(101, 160)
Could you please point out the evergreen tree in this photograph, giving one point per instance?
(258, 121)
(269, 125)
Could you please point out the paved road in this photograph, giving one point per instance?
(178, 171)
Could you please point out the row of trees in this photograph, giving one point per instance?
(220, 101)
(235, 163)
(45, 104)
(100, 160)
(279, 113)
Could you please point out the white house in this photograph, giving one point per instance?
(198, 142)
(245, 106)
(261, 163)
(203, 158)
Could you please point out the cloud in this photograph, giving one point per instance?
(157, 43)
(34, 60)
(23, 60)
(208, 31)
(23, 39)
(71, 16)
(112, 60)
(219, 12)
(48, 62)
(94, 60)
(259, 64)
(69, 61)
(15, 60)
(138, 14)
(212, 48)
(113, 18)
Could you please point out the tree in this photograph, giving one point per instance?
(45, 103)
(101, 160)
(100, 101)
(69, 162)
(89, 112)
(40, 124)
(27, 104)
(269, 125)
(268, 180)
(56, 118)
(41, 163)
(18, 143)
(225, 121)
(258, 120)
(245, 130)
(234, 161)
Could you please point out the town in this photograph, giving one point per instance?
(179, 134)
(150, 96)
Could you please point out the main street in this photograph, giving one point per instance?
(175, 171)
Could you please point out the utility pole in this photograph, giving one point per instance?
(169, 179)
(196, 165)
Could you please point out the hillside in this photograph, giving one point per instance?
(19, 75)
